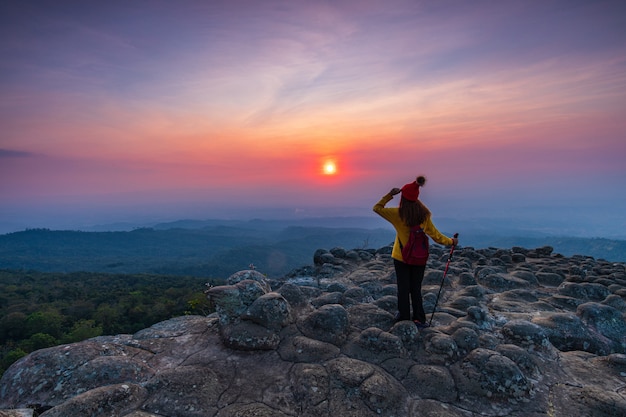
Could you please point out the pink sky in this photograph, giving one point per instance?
(121, 106)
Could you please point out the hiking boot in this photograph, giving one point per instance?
(420, 325)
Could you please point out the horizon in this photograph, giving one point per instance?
(152, 112)
(525, 223)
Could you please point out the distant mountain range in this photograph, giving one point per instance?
(218, 248)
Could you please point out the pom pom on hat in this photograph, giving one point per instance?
(411, 191)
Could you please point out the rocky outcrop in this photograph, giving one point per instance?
(516, 332)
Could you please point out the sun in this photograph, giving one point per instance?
(329, 168)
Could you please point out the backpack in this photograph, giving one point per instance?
(415, 252)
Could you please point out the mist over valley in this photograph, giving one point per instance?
(217, 248)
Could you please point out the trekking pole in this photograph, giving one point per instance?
(445, 272)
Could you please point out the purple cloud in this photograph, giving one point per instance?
(12, 153)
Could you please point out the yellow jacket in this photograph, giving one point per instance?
(392, 215)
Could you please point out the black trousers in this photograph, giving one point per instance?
(409, 279)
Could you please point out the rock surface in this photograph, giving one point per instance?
(516, 332)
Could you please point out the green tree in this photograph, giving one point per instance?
(39, 310)
(199, 304)
(137, 316)
(80, 309)
(12, 356)
(48, 322)
(82, 330)
(13, 326)
(109, 318)
(38, 341)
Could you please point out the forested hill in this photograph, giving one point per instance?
(219, 248)
(215, 251)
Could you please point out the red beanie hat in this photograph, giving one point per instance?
(411, 191)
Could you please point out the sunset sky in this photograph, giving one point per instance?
(161, 110)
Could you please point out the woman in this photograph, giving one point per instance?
(411, 212)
